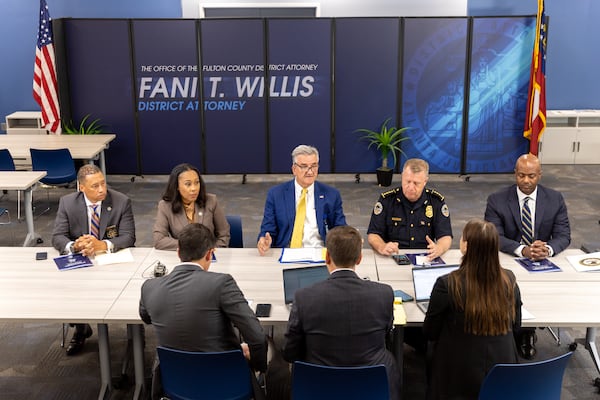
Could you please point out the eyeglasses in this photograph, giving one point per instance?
(304, 167)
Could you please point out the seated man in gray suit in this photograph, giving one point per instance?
(93, 220)
(343, 321)
(196, 310)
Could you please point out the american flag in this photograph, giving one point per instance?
(45, 88)
(535, 117)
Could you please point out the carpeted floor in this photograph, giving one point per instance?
(34, 366)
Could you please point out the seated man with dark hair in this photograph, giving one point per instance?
(196, 310)
(93, 220)
(344, 320)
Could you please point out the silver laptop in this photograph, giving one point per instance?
(424, 278)
(297, 278)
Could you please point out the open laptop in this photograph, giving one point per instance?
(297, 278)
(424, 278)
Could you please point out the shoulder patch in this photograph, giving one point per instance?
(390, 192)
(445, 211)
(378, 208)
(436, 194)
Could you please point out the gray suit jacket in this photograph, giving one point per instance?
(343, 321)
(168, 225)
(72, 220)
(195, 310)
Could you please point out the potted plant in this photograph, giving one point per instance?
(387, 141)
(84, 127)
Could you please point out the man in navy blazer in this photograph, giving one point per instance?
(551, 232)
(550, 222)
(323, 205)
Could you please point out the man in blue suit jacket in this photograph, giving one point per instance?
(323, 205)
(551, 230)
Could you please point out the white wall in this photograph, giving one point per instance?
(352, 8)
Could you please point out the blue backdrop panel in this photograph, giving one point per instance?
(233, 97)
(366, 87)
(166, 74)
(433, 90)
(499, 76)
(99, 67)
(300, 89)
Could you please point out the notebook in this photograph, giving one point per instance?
(424, 278)
(297, 278)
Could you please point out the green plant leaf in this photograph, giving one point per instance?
(84, 127)
(386, 140)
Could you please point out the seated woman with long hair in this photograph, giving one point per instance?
(471, 317)
(185, 201)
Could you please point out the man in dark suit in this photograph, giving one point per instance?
(344, 320)
(323, 206)
(532, 222)
(91, 221)
(193, 309)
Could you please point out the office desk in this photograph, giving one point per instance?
(568, 298)
(37, 290)
(23, 180)
(389, 270)
(82, 147)
(259, 278)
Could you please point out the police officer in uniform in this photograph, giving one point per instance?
(411, 216)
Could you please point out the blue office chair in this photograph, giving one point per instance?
(235, 229)
(59, 165)
(197, 375)
(7, 163)
(315, 382)
(537, 380)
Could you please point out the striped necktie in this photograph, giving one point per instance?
(95, 222)
(527, 236)
(298, 231)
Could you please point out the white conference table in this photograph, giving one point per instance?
(567, 298)
(24, 181)
(259, 278)
(82, 147)
(37, 290)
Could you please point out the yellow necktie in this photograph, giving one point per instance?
(298, 231)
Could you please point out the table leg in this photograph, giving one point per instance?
(398, 350)
(104, 355)
(31, 237)
(590, 344)
(138, 358)
(102, 162)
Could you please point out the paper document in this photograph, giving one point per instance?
(585, 262)
(525, 314)
(399, 314)
(420, 259)
(121, 256)
(303, 255)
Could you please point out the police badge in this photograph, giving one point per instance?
(429, 211)
(111, 232)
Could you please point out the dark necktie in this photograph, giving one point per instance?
(527, 236)
(95, 222)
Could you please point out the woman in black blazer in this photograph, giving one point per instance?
(471, 317)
